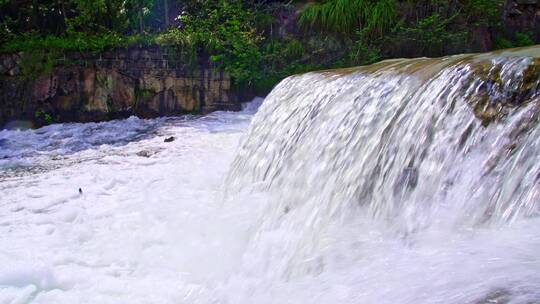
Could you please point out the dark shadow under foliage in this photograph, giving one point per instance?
(260, 42)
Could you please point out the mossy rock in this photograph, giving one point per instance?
(495, 97)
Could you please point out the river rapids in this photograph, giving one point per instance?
(409, 181)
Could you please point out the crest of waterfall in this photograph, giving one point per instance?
(409, 145)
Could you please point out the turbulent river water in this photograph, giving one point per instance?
(409, 181)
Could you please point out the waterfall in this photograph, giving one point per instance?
(410, 181)
(418, 148)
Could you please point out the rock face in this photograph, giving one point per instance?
(146, 82)
(522, 16)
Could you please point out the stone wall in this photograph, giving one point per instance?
(522, 16)
(146, 82)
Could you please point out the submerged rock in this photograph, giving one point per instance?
(147, 153)
(492, 95)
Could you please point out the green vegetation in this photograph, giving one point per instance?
(520, 39)
(245, 37)
(77, 41)
(431, 35)
(44, 118)
(144, 94)
(35, 63)
(347, 16)
(224, 30)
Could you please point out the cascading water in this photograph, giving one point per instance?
(409, 181)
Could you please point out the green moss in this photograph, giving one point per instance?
(143, 96)
(146, 94)
(109, 104)
(41, 117)
(531, 81)
(487, 102)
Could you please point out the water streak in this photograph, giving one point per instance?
(417, 148)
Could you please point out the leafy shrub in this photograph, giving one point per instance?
(502, 43)
(430, 35)
(225, 30)
(44, 118)
(483, 12)
(362, 52)
(523, 39)
(520, 40)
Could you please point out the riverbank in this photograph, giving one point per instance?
(81, 87)
(99, 62)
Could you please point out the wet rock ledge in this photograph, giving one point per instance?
(147, 82)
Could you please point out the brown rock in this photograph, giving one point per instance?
(114, 84)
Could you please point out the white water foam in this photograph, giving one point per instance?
(147, 227)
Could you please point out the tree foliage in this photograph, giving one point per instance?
(224, 30)
(62, 17)
(241, 36)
